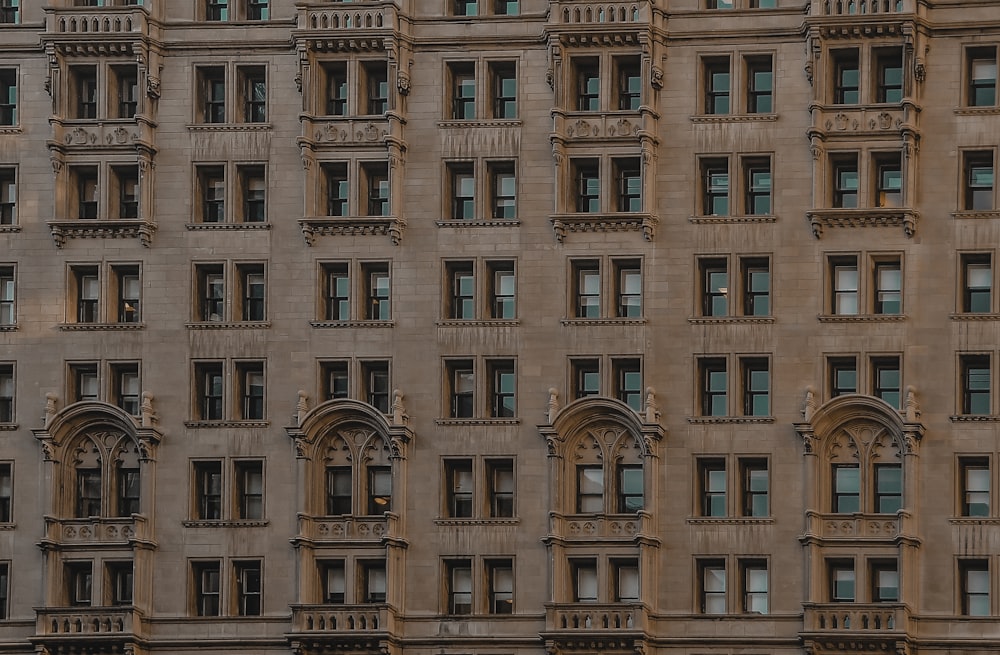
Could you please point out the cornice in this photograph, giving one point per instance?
(227, 226)
(225, 524)
(721, 420)
(730, 320)
(603, 321)
(101, 327)
(198, 425)
(974, 418)
(229, 325)
(352, 324)
(729, 220)
(733, 118)
(513, 322)
(477, 421)
(861, 318)
(509, 222)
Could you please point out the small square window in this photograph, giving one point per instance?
(257, 10)
(466, 8)
(506, 7)
(9, 16)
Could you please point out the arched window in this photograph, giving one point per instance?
(357, 473)
(105, 472)
(614, 489)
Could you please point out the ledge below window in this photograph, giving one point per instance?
(228, 226)
(974, 418)
(226, 424)
(100, 327)
(85, 228)
(499, 322)
(477, 421)
(732, 220)
(603, 321)
(477, 521)
(230, 127)
(495, 222)
(861, 318)
(8, 427)
(974, 317)
(977, 111)
(10, 129)
(9, 228)
(734, 118)
(819, 219)
(977, 215)
(391, 226)
(497, 122)
(256, 523)
(352, 324)
(729, 520)
(719, 420)
(617, 222)
(8, 327)
(974, 520)
(235, 325)
(729, 320)
(6, 527)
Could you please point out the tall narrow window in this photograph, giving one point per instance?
(128, 91)
(211, 292)
(584, 580)
(845, 183)
(757, 179)
(588, 289)
(212, 180)
(250, 489)
(6, 491)
(756, 273)
(460, 488)
(629, 180)
(500, 577)
(588, 186)
(889, 65)
(982, 77)
(842, 581)
(463, 387)
(208, 487)
(85, 382)
(87, 191)
(373, 577)
(888, 488)
(207, 588)
(253, 190)
(628, 382)
(4, 566)
(628, 290)
(88, 290)
(755, 587)
(846, 78)
(977, 283)
(251, 376)
(503, 381)
(8, 196)
(463, 192)
(500, 477)
(845, 286)
(337, 89)
(6, 393)
(715, 187)
(886, 380)
(760, 85)
(976, 384)
(88, 492)
(209, 391)
(979, 180)
(754, 479)
(716, 86)
(714, 287)
(213, 94)
(376, 385)
(335, 582)
(127, 495)
(377, 292)
(503, 190)
(713, 587)
(337, 189)
(586, 378)
(714, 383)
(379, 490)
(889, 182)
(846, 489)
(590, 489)
(377, 87)
(626, 581)
(631, 497)
(127, 180)
(338, 490)
(756, 387)
(377, 188)
(975, 592)
(629, 80)
(335, 380)
(976, 478)
(79, 583)
(120, 577)
(85, 80)
(248, 588)
(463, 92)
(504, 80)
(502, 291)
(588, 84)
(254, 291)
(460, 587)
(338, 292)
(888, 287)
(713, 487)
(8, 90)
(126, 391)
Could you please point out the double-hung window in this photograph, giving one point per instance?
(8, 93)
(981, 66)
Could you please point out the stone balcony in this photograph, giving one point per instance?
(563, 224)
(603, 127)
(598, 12)
(119, 134)
(605, 527)
(118, 532)
(820, 219)
(321, 530)
(321, 24)
(341, 132)
(592, 618)
(836, 19)
(860, 8)
(864, 121)
(102, 228)
(96, 30)
(834, 621)
(94, 627)
(859, 527)
(320, 628)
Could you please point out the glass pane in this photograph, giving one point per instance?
(591, 481)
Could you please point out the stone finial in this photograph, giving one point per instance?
(50, 407)
(651, 408)
(809, 407)
(553, 404)
(398, 410)
(912, 406)
(302, 406)
(148, 416)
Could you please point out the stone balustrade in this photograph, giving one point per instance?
(586, 617)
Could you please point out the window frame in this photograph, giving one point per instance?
(973, 54)
(969, 362)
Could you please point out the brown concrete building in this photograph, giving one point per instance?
(499, 327)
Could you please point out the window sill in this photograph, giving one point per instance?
(228, 325)
(974, 418)
(237, 523)
(734, 118)
(226, 424)
(88, 228)
(100, 327)
(228, 226)
(477, 521)
(9, 228)
(6, 527)
(10, 129)
(230, 127)
(352, 324)
(731, 220)
(390, 226)
(500, 322)
(974, 317)
(484, 122)
(9, 327)
(603, 321)
(718, 420)
(729, 520)
(861, 318)
(977, 111)
(596, 222)
(976, 215)
(870, 217)
(974, 520)
(477, 421)
(729, 320)
(499, 222)
(8, 427)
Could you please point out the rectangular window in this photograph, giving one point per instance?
(846, 77)
(716, 86)
(503, 388)
(248, 588)
(590, 489)
(584, 580)
(127, 493)
(375, 377)
(626, 581)
(337, 189)
(460, 587)
(8, 196)
(126, 180)
(504, 87)
(982, 71)
(503, 284)
(87, 191)
(846, 489)
(251, 377)
(587, 278)
(463, 91)
(377, 291)
(756, 278)
(586, 172)
(760, 85)
(376, 80)
(757, 181)
(628, 73)
(8, 15)
(713, 586)
(253, 191)
(979, 180)
(586, 72)
(503, 190)
(127, 96)
(84, 382)
(845, 183)
(207, 588)
(631, 496)
(257, 10)
(373, 581)
(250, 489)
(889, 72)
(338, 490)
(216, 10)
(714, 386)
(460, 488)
(463, 387)
(755, 586)
(888, 488)
(628, 289)
(628, 382)
(8, 89)
(888, 181)
(975, 479)
(6, 393)
(212, 91)
(79, 583)
(714, 287)
(886, 382)
(211, 282)
(4, 566)
(629, 181)
(715, 187)
(338, 292)
(500, 578)
(754, 480)
(253, 292)
(209, 390)
(212, 183)
(505, 7)
(379, 490)
(712, 476)
(463, 192)
(976, 384)
(6, 492)
(500, 477)
(126, 392)
(977, 283)
(377, 189)
(335, 380)
(88, 492)
(586, 378)
(120, 577)
(466, 7)
(337, 88)
(975, 592)
(334, 582)
(844, 274)
(842, 581)
(208, 490)
(84, 79)
(756, 387)
(885, 582)
(888, 287)
(843, 376)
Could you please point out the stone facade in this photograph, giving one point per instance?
(570, 327)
